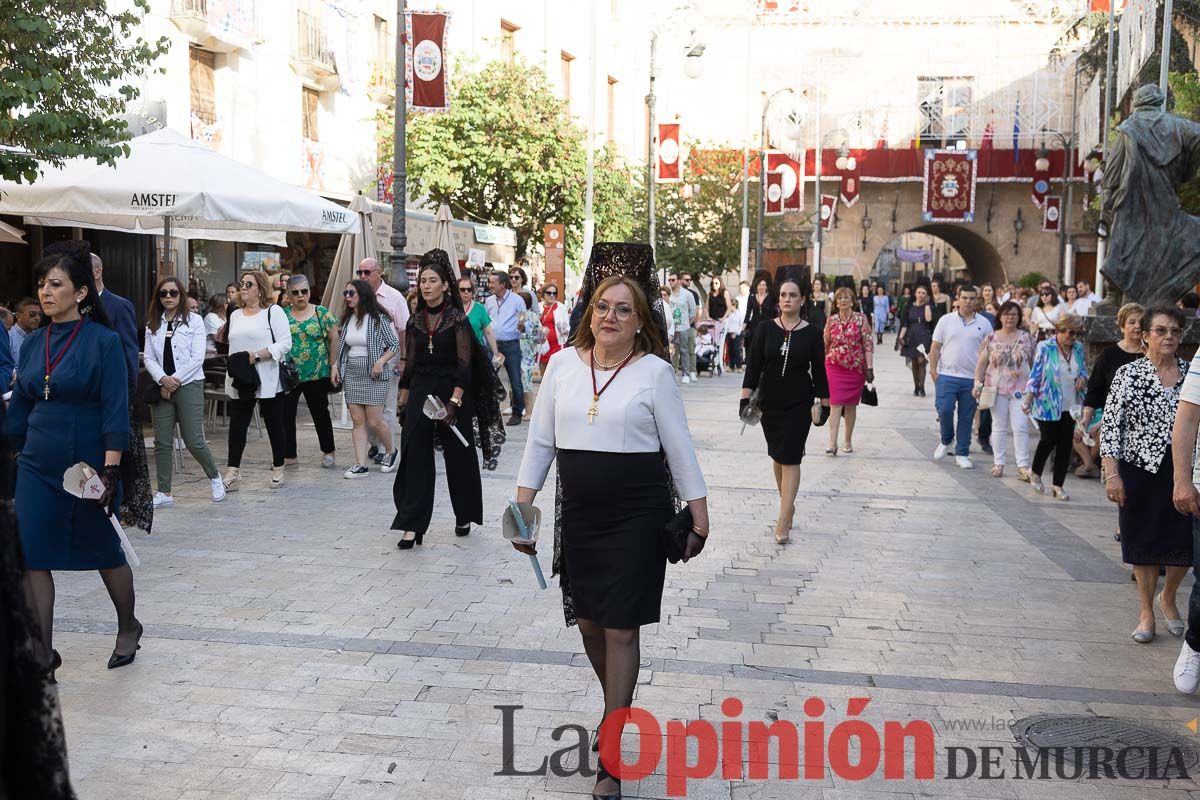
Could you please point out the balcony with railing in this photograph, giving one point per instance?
(233, 26)
(312, 58)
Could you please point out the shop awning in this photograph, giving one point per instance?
(11, 235)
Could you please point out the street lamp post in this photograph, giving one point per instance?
(589, 221)
(651, 154)
(762, 175)
(399, 238)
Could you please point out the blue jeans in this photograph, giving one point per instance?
(511, 350)
(950, 390)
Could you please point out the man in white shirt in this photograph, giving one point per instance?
(1187, 501)
(952, 359)
(393, 302)
(684, 308)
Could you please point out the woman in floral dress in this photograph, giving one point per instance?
(1005, 358)
(849, 364)
(314, 336)
(530, 327)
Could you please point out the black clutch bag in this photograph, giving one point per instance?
(870, 397)
(674, 535)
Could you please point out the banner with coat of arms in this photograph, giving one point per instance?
(670, 153)
(774, 194)
(425, 57)
(1052, 213)
(829, 204)
(949, 191)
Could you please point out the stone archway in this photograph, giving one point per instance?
(984, 263)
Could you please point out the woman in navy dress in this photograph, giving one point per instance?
(70, 405)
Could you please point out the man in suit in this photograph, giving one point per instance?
(124, 320)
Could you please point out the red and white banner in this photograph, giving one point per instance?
(774, 197)
(828, 210)
(949, 192)
(1052, 214)
(425, 57)
(670, 154)
(1040, 187)
(791, 173)
(850, 186)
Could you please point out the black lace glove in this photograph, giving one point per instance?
(110, 476)
(695, 543)
(870, 375)
(451, 414)
(745, 401)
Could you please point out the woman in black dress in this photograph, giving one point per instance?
(787, 366)
(760, 307)
(446, 361)
(916, 336)
(1135, 445)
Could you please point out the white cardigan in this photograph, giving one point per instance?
(251, 334)
(641, 412)
(188, 342)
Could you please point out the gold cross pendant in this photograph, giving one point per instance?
(431, 342)
(592, 412)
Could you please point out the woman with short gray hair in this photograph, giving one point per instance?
(314, 337)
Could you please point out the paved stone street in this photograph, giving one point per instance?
(291, 650)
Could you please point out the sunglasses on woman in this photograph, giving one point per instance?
(551, 293)
(248, 284)
(299, 292)
(349, 293)
(165, 293)
(465, 290)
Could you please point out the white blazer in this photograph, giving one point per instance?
(188, 342)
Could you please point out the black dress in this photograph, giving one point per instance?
(437, 373)
(919, 332)
(787, 394)
(1103, 372)
(756, 314)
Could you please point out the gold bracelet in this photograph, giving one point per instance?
(456, 401)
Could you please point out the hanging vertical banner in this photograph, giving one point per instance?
(1040, 187)
(1088, 122)
(791, 173)
(828, 211)
(949, 192)
(774, 194)
(425, 59)
(851, 182)
(669, 153)
(1052, 214)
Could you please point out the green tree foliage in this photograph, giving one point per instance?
(699, 220)
(508, 152)
(1031, 280)
(64, 72)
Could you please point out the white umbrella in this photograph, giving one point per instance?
(352, 248)
(10, 234)
(170, 185)
(443, 237)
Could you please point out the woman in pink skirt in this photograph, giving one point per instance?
(849, 362)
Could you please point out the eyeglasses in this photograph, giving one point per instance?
(362, 273)
(164, 293)
(349, 293)
(299, 292)
(1174, 333)
(248, 284)
(624, 310)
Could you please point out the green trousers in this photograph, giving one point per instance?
(185, 407)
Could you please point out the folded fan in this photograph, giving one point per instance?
(435, 409)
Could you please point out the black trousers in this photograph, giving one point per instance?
(316, 397)
(985, 425)
(1192, 637)
(1057, 438)
(241, 412)
(415, 477)
(733, 346)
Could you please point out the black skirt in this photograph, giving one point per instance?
(613, 507)
(1153, 533)
(786, 432)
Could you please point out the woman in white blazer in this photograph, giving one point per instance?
(259, 339)
(176, 340)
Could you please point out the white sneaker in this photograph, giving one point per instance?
(963, 462)
(328, 462)
(1187, 670)
(940, 453)
(686, 378)
(163, 500)
(218, 488)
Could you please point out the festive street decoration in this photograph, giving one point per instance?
(1040, 187)
(828, 210)
(426, 61)
(949, 193)
(670, 153)
(1052, 214)
(791, 174)
(774, 194)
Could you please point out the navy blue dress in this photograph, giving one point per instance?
(87, 414)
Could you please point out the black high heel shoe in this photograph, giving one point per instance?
(118, 660)
(601, 774)
(407, 544)
(462, 530)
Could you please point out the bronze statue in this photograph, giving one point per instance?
(1153, 244)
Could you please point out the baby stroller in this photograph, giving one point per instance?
(706, 347)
